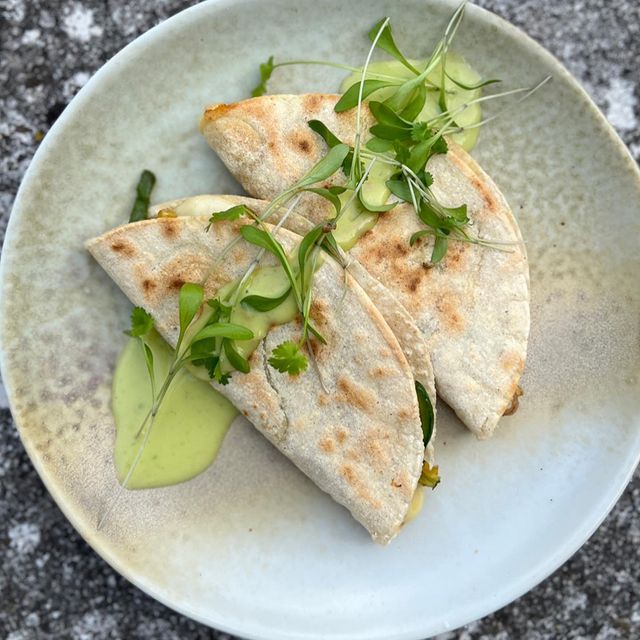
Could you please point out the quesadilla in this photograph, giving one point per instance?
(362, 441)
(411, 340)
(472, 308)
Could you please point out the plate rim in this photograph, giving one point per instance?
(481, 607)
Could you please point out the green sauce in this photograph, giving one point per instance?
(354, 223)
(188, 430)
(458, 68)
(269, 282)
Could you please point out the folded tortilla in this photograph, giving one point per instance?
(410, 338)
(472, 308)
(362, 441)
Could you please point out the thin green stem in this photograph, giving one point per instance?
(356, 146)
(337, 65)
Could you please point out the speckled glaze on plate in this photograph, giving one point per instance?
(251, 546)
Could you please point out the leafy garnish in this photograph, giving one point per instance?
(307, 244)
(288, 358)
(236, 360)
(263, 239)
(415, 105)
(141, 323)
(263, 303)
(327, 135)
(332, 141)
(143, 196)
(266, 69)
(472, 87)
(228, 214)
(426, 412)
(330, 195)
(349, 98)
(377, 145)
(325, 167)
(190, 300)
(385, 42)
(224, 330)
(439, 248)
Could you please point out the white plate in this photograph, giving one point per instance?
(251, 546)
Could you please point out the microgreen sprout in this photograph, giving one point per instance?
(400, 139)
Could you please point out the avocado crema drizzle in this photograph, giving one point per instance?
(417, 104)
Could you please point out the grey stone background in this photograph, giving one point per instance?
(52, 585)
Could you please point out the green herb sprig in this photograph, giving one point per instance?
(143, 196)
(398, 138)
(300, 272)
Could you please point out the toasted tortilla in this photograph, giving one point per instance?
(472, 308)
(362, 441)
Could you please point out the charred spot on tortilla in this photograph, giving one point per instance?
(350, 392)
(169, 227)
(351, 476)
(324, 399)
(379, 372)
(413, 283)
(123, 247)
(319, 313)
(402, 249)
(176, 283)
(327, 445)
(304, 143)
(313, 101)
(406, 413)
(376, 453)
(449, 312)
(148, 285)
(317, 348)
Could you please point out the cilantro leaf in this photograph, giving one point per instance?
(420, 132)
(141, 323)
(287, 358)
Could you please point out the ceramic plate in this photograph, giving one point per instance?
(251, 546)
